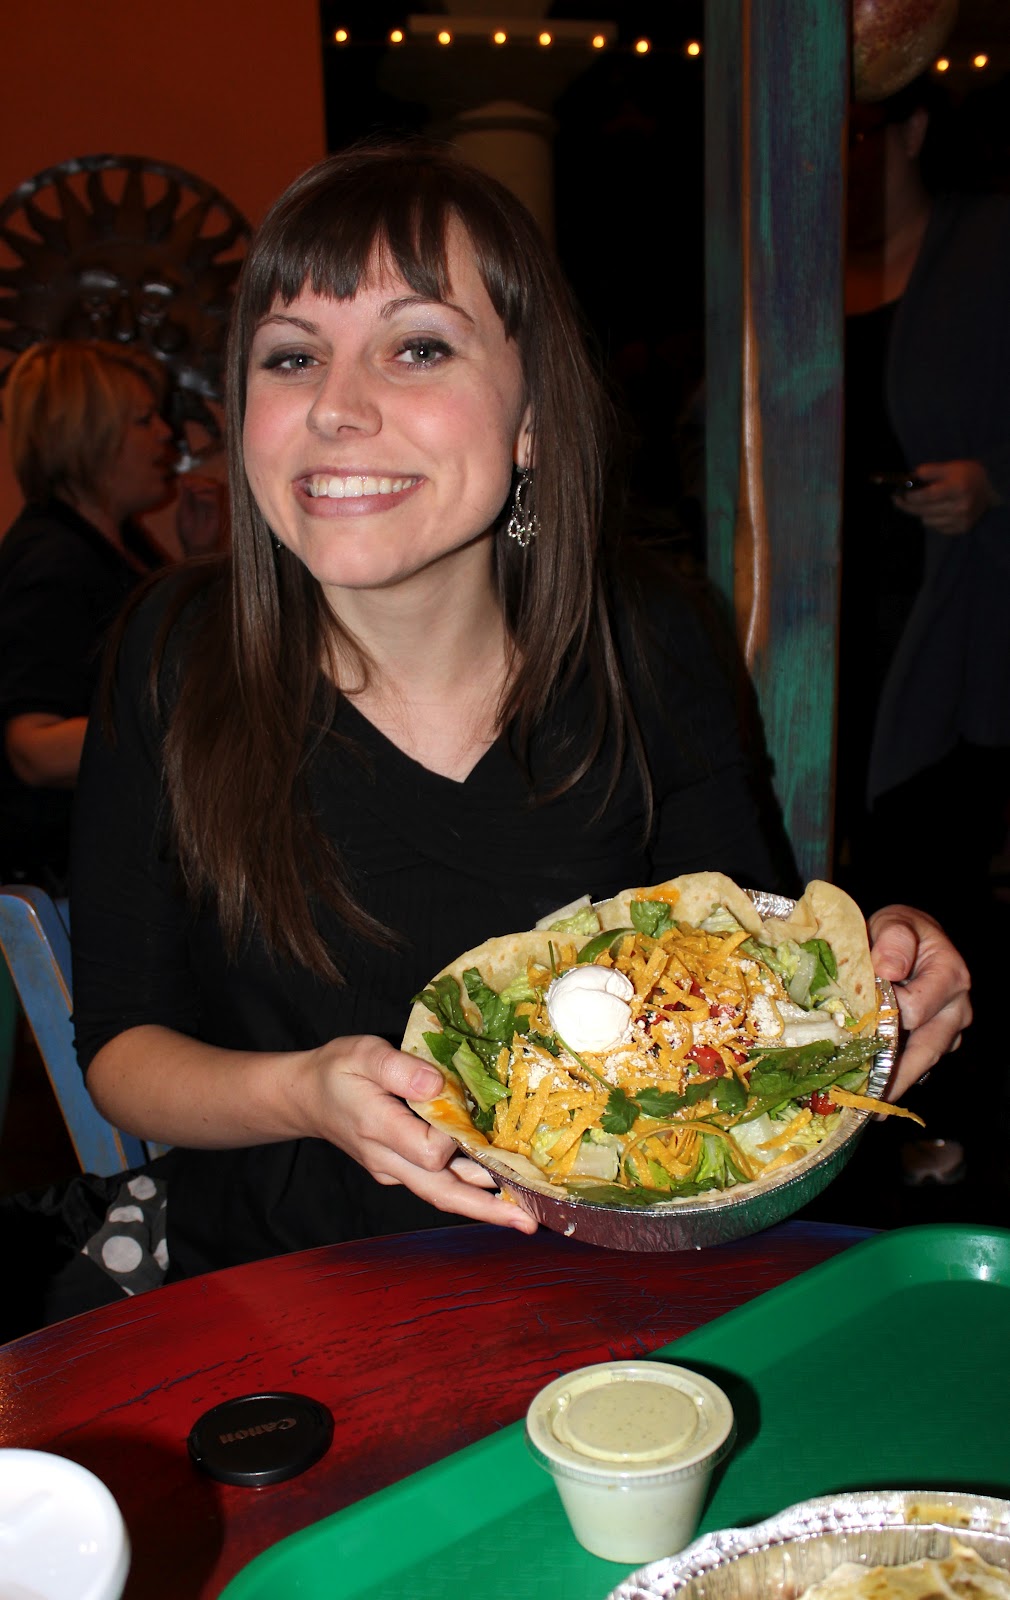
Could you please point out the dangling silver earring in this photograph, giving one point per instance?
(523, 525)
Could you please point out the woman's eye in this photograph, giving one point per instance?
(288, 361)
(422, 352)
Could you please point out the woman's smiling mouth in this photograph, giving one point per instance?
(354, 486)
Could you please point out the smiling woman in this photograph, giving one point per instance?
(381, 432)
(379, 441)
(421, 700)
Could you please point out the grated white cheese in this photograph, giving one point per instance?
(764, 1017)
(537, 1070)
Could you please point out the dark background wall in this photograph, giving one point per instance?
(629, 173)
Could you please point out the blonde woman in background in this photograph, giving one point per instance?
(91, 452)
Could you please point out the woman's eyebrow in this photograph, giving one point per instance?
(407, 301)
(291, 322)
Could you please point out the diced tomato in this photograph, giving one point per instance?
(700, 994)
(821, 1103)
(709, 1060)
(728, 1012)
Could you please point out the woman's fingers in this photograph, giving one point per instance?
(956, 495)
(923, 1049)
(383, 1122)
(472, 1172)
(367, 1085)
(931, 988)
(448, 1191)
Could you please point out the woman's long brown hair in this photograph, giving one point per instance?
(253, 705)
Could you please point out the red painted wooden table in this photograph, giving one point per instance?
(419, 1344)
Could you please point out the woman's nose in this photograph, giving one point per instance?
(345, 400)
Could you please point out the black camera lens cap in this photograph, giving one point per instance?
(259, 1439)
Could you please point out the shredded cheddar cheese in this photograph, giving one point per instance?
(865, 1102)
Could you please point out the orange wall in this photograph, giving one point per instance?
(231, 90)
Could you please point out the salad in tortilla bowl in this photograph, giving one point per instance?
(679, 1065)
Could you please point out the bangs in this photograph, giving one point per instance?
(344, 219)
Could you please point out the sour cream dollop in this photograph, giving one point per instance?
(588, 1007)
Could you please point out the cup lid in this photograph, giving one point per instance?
(62, 1536)
(630, 1419)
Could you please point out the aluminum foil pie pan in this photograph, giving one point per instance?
(721, 1215)
(780, 1558)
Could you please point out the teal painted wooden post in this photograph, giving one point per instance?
(776, 95)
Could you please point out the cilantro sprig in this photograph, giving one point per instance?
(662, 1104)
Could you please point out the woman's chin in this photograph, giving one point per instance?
(366, 566)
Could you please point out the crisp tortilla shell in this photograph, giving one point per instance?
(824, 912)
(694, 896)
(827, 912)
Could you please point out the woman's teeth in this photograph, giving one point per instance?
(353, 488)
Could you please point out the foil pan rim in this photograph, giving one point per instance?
(881, 1517)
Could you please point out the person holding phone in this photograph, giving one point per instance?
(924, 679)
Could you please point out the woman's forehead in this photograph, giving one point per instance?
(141, 389)
(458, 279)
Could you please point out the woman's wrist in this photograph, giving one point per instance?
(160, 1084)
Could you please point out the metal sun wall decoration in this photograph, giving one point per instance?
(133, 250)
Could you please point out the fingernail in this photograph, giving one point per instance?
(426, 1081)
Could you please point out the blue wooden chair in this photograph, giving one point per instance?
(36, 947)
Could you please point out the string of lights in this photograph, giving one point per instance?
(545, 38)
(944, 63)
(497, 38)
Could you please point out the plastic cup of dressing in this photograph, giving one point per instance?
(631, 1446)
(62, 1536)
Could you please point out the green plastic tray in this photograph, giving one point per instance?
(887, 1366)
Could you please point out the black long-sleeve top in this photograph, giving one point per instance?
(948, 395)
(446, 864)
(61, 585)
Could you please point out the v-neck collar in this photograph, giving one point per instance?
(372, 738)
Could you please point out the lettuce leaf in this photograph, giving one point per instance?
(654, 917)
(486, 1090)
(585, 920)
(807, 970)
(497, 1014)
(783, 1073)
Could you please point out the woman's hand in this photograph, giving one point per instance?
(44, 750)
(360, 1088)
(201, 516)
(931, 985)
(957, 493)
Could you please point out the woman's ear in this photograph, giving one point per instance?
(524, 454)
